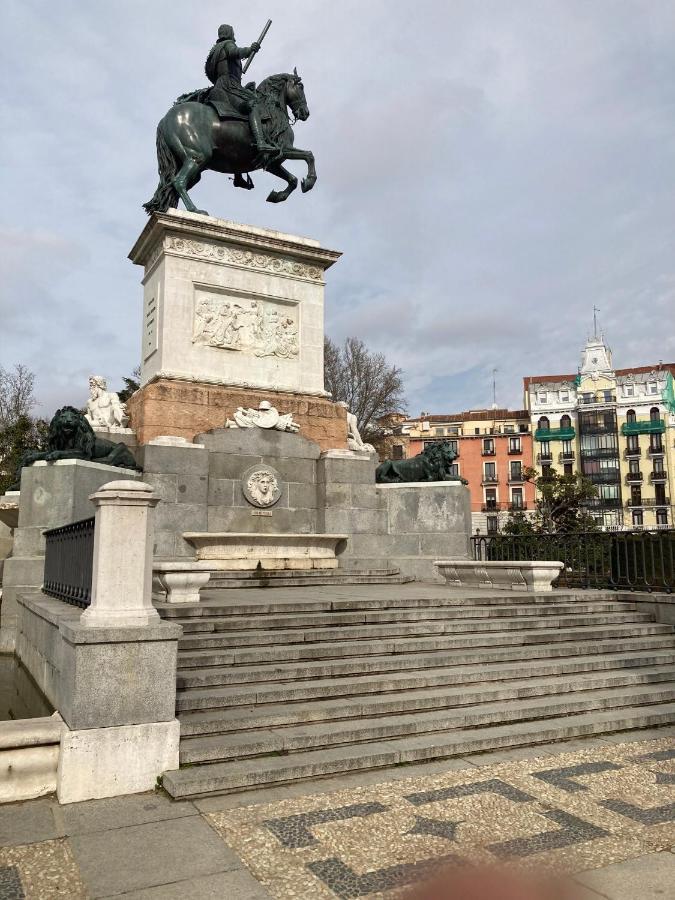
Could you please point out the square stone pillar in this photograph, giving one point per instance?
(122, 569)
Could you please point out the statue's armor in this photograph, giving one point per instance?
(224, 69)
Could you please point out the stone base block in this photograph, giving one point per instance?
(187, 408)
(29, 755)
(243, 551)
(110, 762)
(535, 577)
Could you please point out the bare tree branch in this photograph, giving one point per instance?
(369, 385)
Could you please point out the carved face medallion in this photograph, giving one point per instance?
(261, 486)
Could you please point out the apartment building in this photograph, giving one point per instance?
(493, 448)
(616, 427)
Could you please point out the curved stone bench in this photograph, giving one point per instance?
(511, 575)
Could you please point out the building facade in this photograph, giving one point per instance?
(614, 426)
(493, 448)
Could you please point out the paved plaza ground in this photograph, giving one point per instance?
(600, 810)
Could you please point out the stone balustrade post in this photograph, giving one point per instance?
(122, 566)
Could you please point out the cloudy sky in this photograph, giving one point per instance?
(491, 169)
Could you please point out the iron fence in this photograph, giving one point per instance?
(69, 557)
(618, 560)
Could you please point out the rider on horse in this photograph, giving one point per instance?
(228, 97)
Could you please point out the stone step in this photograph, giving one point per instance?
(262, 684)
(215, 603)
(342, 645)
(320, 577)
(310, 736)
(193, 625)
(223, 777)
(273, 715)
(348, 631)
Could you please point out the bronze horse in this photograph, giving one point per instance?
(191, 138)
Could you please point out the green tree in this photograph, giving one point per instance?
(559, 505)
(131, 384)
(20, 431)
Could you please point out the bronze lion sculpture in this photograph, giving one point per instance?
(72, 437)
(432, 464)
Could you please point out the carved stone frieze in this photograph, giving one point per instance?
(261, 261)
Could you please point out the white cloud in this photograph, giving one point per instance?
(490, 171)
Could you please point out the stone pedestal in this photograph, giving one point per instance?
(228, 306)
(121, 590)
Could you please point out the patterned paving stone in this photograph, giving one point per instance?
(573, 831)
(493, 786)
(434, 828)
(654, 816)
(293, 831)
(593, 807)
(346, 883)
(563, 778)
(10, 884)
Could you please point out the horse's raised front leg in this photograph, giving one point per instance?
(307, 155)
(278, 196)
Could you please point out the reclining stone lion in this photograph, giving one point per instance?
(432, 464)
(72, 437)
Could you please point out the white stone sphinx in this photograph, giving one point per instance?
(265, 416)
(104, 407)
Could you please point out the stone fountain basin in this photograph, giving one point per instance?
(244, 551)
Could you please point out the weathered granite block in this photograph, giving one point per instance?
(155, 458)
(118, 676)
(259, 442)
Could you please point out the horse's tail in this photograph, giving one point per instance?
(166, 194)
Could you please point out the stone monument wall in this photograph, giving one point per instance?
(187, 409)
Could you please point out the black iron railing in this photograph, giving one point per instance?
(619, 560)
(69, 557)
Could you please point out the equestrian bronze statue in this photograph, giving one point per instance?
(231, 128)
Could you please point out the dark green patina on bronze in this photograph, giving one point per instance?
(72, 437)
(231, 128)
(432, 464)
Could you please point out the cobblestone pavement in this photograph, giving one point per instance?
(600, 810)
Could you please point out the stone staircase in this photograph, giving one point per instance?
(276, 686)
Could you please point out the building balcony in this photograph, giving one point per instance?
(632, 453)
(566, 456)
(597, 401)
(515, 452)
(634, 477)
(554, 434)
(489, 479)
(517, 507)
(600, 453)
(487, 452)
(658, 476)
(544, 458)
(610, 476)
(493, 506)
(602, 503)
(655, 450)
(648, 501)
(516, 478)
(643, 426)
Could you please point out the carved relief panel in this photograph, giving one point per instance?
(258, 327)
